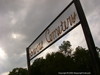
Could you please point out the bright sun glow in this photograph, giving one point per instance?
(2, 54)
(6, 73)
(14, 36)
(17, 36)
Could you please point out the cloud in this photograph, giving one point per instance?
(94, 21)
(3, 54)
(12, 15)
(17, 36)
(90, 6)
(6, 73)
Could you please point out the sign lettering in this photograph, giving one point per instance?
(65, 22)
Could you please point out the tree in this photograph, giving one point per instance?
(37, 65)
(98, 50)
(66, 47)
(82, 59)
(52, 64)
(79, 61)
(19, 71)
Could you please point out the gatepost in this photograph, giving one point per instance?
(28, 61)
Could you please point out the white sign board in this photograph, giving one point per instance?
(68, 19)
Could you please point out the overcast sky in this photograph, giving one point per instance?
(21, 21)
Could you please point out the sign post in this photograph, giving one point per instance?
(88, 37)
(68, 19)
(28, 61)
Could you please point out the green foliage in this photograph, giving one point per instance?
(18, 71)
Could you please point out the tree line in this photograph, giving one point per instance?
(62, 62)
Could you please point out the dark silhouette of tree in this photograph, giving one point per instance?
(37, 65)
(82, 59)
(52, 64)
(18, 71)
(98, 50)
(66, 47)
